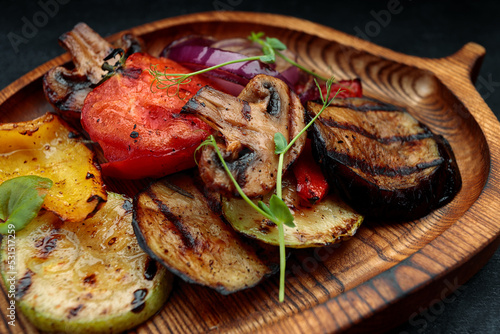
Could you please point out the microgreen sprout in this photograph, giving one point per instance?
(277, 211)
(164, 80)
(271, 47)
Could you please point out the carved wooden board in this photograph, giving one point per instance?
(387, 271)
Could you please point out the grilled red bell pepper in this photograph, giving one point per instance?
(311, 183)
(348, 88)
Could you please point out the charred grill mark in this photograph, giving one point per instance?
(187, 239)
(73, 312)
(151, 269)
(138, 303)
(274, 104)
(179, 190)
(93, 198)
(246, 111)
(239, 166)
(373, 169)
(24, 284)
(47, 244)
(384, 140)
(127, 206)
(132, 73)
(364, 104)
(191, 105)
(90, 280)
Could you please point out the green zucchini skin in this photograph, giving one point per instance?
(86, 277)
(325, 223)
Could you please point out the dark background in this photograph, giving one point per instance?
(423, 28)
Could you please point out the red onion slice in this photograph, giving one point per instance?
(191, 40)
(197, 57)
(199, 52)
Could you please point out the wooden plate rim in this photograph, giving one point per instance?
(463, 71)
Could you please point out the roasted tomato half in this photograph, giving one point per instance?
(138, 126)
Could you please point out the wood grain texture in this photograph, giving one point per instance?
(386, 272)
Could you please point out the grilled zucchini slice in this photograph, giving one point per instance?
(86, 277)
(325, 223)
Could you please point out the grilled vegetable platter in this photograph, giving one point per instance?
(189, 177)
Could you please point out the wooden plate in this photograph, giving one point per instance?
(387, 272)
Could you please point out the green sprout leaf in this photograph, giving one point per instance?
(281, 211)
(20, 201)
(265, 208)
(276, 43)
(268, 58)
(254, 36)
(280, 143)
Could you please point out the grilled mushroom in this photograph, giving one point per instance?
(246, 127)
(66, 88)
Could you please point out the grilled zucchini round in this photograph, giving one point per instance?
(325, 223)
(86, 277)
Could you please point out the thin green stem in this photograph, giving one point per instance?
(179, 78)
(237, 186)
(292, 62)
(281, 231)
(281, 235)
(279, 177)
(272, 217)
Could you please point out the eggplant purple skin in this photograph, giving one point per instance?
(398, 205)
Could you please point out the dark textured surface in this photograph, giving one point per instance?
(422, 28)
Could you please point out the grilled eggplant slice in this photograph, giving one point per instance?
(246, 126)
(383, 162)
(325, 223)
(86, 277)
(48, 147)
(175, 225)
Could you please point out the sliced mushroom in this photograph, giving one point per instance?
(67, 88)
(246, 127)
